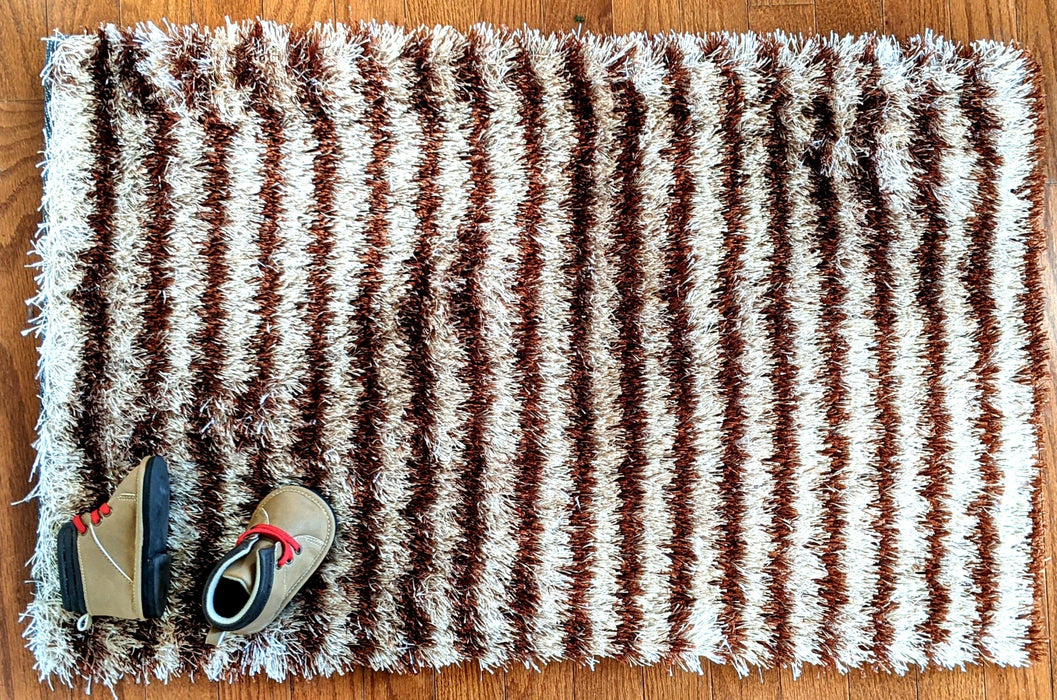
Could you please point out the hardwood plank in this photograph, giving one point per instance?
(431, 12)
(254, 688)
(181, 688)
(1037, 29)
(848, 16)
(380, 10)
(177, 11)
(908, 17)
(1022, 683)
(21, 127)
(457, 13)
(71, 16)
(1049, 418)
(553, 681)
(646, 16)
(660, 683)
(866, 684)
(302, 12)
(814, 683)
(758, 685)
(795, 19)
(22, 24)
(775, 3)
(593, 15)
(715, 15)
(462, 14)
(392, 686)
(983, 19)
(935, 684)
(510, 13)
(343, 687)
(212, 13)
(612, 680)
(468, 682)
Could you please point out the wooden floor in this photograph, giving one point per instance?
(23, 22)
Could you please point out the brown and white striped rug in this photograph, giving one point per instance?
(655, 348)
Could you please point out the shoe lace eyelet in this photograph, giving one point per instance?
(294, 551)
(290, 545)
(94, 516)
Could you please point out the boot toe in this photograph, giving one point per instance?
(301, 512)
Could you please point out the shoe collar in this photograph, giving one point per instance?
(251, 567)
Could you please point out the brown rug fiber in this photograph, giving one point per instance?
(655, 348)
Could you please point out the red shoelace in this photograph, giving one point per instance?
(96, 515)
(290, 545)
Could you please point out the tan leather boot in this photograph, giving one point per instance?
(113, 561)
(288, 537)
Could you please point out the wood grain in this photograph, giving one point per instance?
(469, 682)
(776, 3)
(182, 688)
(176, 11)
(611, 680)
(381, 10)
(253, 688)
(1049, 417)
(552, 682)
(848, 16)
(300, 13)
(660, 683)
(795, 19)
(213, 12)
(1037, 29)
(637, 16)
(389, 686)
(814, 683)
(935, 683)
(23, 22)
(510, 13)
(978, 19)
(758, 685)
(346, 687)
(457, 13)
(715, 15)
(871, 685)
(592, 15)
(908, 17)
(21, 126)
(1025, 683)
(73, 16)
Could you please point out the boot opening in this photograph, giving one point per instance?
(229, 598)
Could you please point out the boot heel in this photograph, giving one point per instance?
(155, 516)
(70, 583)
(155, 585)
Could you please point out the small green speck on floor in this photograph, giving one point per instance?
(579, 19)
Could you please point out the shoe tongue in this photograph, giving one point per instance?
(244, 570)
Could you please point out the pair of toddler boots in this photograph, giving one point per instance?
(114, 561)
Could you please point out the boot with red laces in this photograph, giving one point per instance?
(113, 561)
(288, 537)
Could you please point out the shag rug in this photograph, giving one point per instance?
(654, 348)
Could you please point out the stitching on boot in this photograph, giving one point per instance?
(107, 555)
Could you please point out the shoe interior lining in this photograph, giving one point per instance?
(229, 598)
